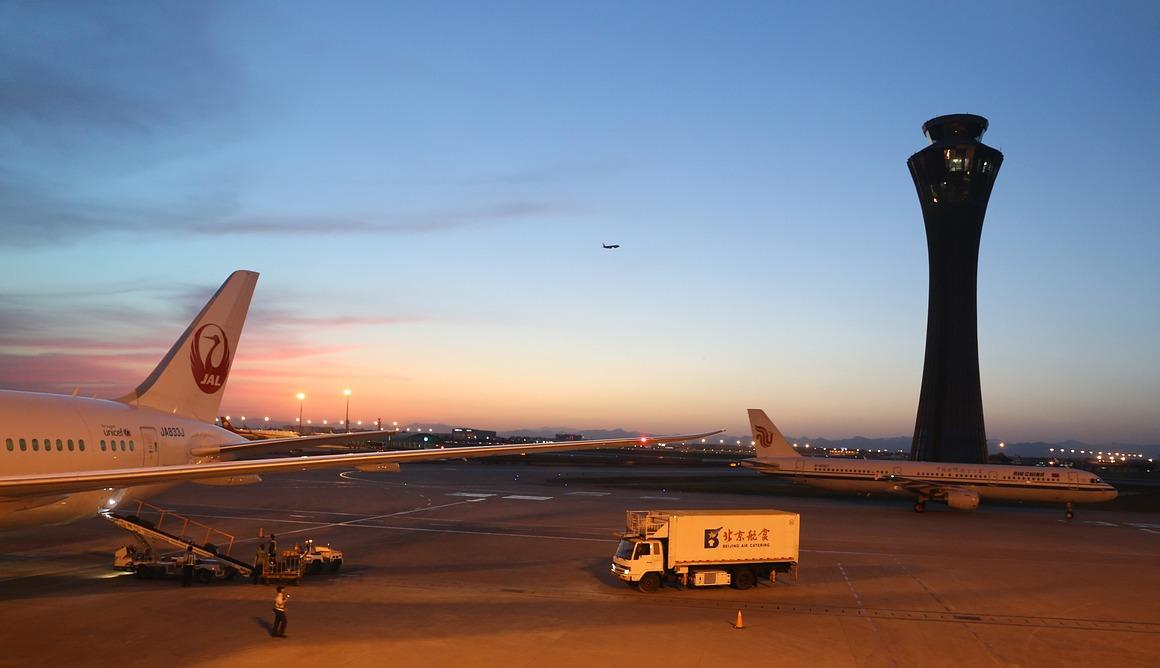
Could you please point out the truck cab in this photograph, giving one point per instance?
(636, 559)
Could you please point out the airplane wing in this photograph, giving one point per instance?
(247, 447)
(921, 487)
(48, 484)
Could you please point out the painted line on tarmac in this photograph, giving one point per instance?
(662, 498)
(478, 533)
(524, 497)
(588, 494)
(473, 495)
(326, 525)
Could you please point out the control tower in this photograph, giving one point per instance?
(954, 177)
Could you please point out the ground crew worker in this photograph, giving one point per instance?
(259, 560)
(273, 551)
(278, 630)
(187, 567)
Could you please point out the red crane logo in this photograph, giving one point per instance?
(209, 358)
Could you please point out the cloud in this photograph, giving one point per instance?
(79, 70)
(31, 217)
(61, 373)
(382, 223)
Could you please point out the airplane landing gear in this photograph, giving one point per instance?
(1067, 513)
(920, 506)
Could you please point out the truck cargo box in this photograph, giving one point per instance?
(698, 537)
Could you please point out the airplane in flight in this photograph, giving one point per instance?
(610, 246)
(961, 486)
(64, 458)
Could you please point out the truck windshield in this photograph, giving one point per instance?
(624, 550)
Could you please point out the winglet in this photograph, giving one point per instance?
(191, 378)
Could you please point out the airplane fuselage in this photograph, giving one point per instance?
(52, 433)
(989, 481)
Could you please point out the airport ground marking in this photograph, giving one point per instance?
(662, 498)
(524, 497)
(588, 494)
(862, 612)
(471, 494)
(478, 533)
(315, 526)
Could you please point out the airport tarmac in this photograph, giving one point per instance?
(476, 564)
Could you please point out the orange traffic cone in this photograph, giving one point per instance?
(740, 623)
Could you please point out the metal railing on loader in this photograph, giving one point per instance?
(148, 530)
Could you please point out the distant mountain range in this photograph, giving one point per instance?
(893, 443)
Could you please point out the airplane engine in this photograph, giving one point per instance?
(962, 499)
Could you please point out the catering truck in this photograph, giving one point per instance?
(706, 548)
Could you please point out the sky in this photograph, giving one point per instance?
(425, 188)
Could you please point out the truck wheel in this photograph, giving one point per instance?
(650, 583)
(314, 568)
(335, 565)
(919, 506)
(743, 578)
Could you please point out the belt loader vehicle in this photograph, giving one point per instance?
(704, 548)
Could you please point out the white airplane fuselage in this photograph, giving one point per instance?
(52, 433)
(988, 481)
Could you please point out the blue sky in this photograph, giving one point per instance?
(425, 188)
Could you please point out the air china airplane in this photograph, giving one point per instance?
(959, 485)
(65, 458)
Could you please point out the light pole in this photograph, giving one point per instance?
(301, 399)
(346, 393)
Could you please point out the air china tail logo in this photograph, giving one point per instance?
(764, 438)
(209, 358)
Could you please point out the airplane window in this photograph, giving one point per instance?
(130, 445)
(23, 445)
(48, 445)
(102, 445)
(81, 445)
(59, 446)
(8, 442)
(122, 446)
(70, 445)
(35, 445)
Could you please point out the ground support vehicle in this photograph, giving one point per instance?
(319, 558)
(144, 565)
(703, 548)
(284, 567)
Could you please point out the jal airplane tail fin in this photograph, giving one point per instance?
(191, 378)
(770, 442)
